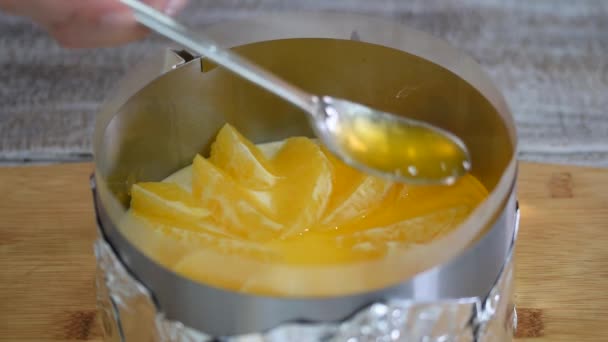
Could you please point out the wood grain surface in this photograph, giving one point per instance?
(549, 57)
(47, 267)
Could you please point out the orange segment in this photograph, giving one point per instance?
(354, 194)
(345, 180)
(406, 202)
(303, 192)
(419, 229)
(360, 202)
(175, 245)
(240, 210)
(169, 204)
(241, 159)
(166, 200)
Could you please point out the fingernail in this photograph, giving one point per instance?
(174, 6)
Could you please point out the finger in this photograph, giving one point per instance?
(96, 25)
(107, 23)
(88, 23)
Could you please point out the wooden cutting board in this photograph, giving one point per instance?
(47, 267)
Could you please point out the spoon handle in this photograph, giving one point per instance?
(196, 42)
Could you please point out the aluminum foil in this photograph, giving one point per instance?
(128, 313)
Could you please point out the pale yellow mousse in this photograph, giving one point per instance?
(280, 218)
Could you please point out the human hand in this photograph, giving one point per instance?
(87, 23)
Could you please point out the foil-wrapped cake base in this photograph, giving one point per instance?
(128, 313)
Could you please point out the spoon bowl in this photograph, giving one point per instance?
(390, 146)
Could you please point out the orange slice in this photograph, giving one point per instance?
(419, 230)
(361, 201)
(168, 201)
(241, 159)
(244, 212)
(305, 187)
(344, 177)
(354, 194)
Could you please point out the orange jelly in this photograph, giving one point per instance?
(248, 215)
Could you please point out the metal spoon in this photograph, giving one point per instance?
(373, 141)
